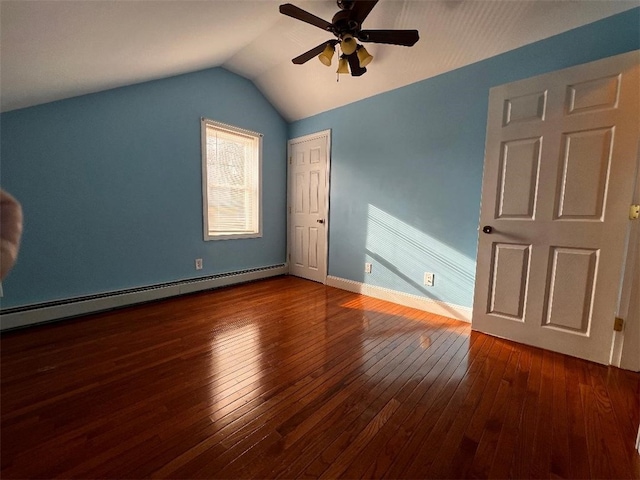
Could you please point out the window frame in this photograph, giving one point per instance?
(229, 129)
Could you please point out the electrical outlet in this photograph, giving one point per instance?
(367, 268)
(198, 264)
(428, 279)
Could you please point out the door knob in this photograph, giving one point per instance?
(321, 220)
(487, 229)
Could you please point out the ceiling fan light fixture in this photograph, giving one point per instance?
(348, 44)
(346, 26)
(364, 57)
(343, 65)
(327, 54)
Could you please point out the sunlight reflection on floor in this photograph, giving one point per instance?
(236, 360)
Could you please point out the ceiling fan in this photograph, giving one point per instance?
(346, 25)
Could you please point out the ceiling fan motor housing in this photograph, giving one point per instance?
(343, 23)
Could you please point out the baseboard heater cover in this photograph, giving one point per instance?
(57, 310)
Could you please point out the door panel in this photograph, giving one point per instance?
(585, 165)
(596, 94)
(525, 108)
(519, 178)
(298, 246)
(572, 278)
(560, 161)
(313, 248)
(509, 275)
(308, 201)
(314, 192)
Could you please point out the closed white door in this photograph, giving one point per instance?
(308, 202)
(560, 161)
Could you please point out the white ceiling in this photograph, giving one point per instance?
(55, 49)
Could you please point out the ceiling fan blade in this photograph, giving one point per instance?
(407, 38)
(361, 9)
(299, 14)
(314, 52)
(354, 65)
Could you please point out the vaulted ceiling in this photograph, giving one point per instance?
(50, 50)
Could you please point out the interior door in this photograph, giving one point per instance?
(308, 206)
(560, 161)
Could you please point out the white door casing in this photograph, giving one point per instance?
(308, 205)
(560, 161)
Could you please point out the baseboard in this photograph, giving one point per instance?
(24, 316)
(401, 298)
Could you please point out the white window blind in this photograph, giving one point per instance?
(231, 181)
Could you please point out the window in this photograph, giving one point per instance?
(231, 177)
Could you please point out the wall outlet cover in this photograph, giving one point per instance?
(428, 279)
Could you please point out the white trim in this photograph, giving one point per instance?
(305, 138)
(83, 307)
(204, 123)
(313, 136)
(231, 128)
(626, 344)
(638, 441)
(406, 299)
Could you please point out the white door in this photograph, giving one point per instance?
(560, 160)
(308, 206)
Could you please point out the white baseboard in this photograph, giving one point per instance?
(73, 308)
(401, 298)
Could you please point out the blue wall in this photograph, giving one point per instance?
(406, 166)
(110, 184)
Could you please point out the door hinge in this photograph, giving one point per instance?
(289, 209)
(634, 212)
(618, 324)
(290, 160)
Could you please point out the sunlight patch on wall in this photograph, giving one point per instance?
(401, 254)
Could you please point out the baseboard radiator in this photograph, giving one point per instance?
(46, 312)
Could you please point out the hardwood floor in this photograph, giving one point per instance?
(288, 378)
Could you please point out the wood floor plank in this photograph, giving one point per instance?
(425, 414)
(380, 454)
(560, 447)
(375, 371)
(276, 410)
(302, 452)
(475, 427)
(360, 419)
(578, 449)
(488, 442)
(507, 442)
(253, 382)
(522, 461)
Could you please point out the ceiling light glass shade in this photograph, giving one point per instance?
(363, 56)
(327, 54)
(348, 44)
(343, 65)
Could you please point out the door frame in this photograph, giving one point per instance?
(326, 134)
(626, 344)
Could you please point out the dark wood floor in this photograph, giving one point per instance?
(288, 378)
